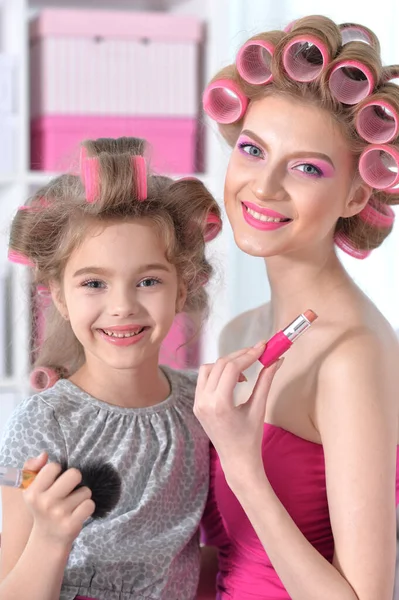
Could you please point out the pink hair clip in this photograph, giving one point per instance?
(19, 259)
(140, 171)
(378, 214)
(350, 82)
(354, 33)
(305, 57)
(377, 122)
(213, 227)
(254, 61)
(379, 166)
(224, 102)
(43, 378)
(89, 173)
(346, 245)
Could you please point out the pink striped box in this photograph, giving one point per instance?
(108, 70)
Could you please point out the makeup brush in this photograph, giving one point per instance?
(100, 477)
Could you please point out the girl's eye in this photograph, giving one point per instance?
(309, 169)
(250, 149)
(149, 282)
(94, 284)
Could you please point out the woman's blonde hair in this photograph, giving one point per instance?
(356, 235)
(55, 221)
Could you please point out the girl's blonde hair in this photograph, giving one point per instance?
(51, 226)
(355, 235)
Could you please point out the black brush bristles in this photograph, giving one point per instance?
(104, 482)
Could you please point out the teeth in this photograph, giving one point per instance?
(260, 217)
(122, 335)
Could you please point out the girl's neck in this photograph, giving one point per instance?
(145, 385)
(300, 283)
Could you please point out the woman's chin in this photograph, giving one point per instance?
(254, 247)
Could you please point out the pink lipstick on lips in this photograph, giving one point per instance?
(265, 212)
(283, 340)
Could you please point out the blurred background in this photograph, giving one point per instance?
(69, 70)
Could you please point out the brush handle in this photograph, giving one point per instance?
(18, 478)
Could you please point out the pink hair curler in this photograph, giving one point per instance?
(288, 28)
(89, 172)
(377, 122)
(254, 61)
(378, 214)
(379, 166)
(344, 243)
(19, 259)
(354, 33)
(43, 290)
(394, 191)
(140, 171)
(43, 378)
(305, 57)
(224, 102)
(213, 227)
(350, 82)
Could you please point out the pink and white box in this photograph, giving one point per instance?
(97, 73)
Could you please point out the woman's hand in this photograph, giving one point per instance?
(58, 511)
(235, 431)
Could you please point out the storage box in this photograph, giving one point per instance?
(55, 140)
(105, 70)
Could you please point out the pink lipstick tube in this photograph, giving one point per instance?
(283, 340)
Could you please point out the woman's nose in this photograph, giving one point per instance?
(268, 184)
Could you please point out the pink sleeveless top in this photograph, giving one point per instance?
(295, 468)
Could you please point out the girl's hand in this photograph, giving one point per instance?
(235, 431)
(58, 511)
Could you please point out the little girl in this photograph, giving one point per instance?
(121, 252)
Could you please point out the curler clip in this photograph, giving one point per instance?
(379, 166)
(224, 102)
(304, 58)
(254, 62)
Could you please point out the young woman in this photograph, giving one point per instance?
(304, 474)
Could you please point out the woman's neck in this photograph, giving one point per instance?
(145, 385)
(298, 283)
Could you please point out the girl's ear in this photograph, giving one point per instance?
(58, 299)
(358, 199)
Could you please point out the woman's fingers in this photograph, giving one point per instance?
(219, 366)
(233, 369)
